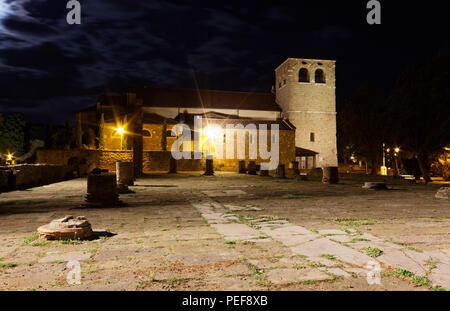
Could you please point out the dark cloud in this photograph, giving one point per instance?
(48, 67)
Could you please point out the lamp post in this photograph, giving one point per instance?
(383, 168)
(120, 130)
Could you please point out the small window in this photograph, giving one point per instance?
(284, 81)
(169, 133)
(146, 133)
(312, 137)
(303, 75)
(251, 139)
(279, 85)
(319, 76)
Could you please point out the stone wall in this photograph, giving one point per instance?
(30, 175)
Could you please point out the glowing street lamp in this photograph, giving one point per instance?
(397, 150)
(120, 130)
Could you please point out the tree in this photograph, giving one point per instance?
(79, 141)
(164, 136)
(12, 134)
(101, 133)
(420, 109)
(362, 127)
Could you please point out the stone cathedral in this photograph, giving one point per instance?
(302, 102)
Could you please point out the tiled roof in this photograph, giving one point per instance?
(209, 99)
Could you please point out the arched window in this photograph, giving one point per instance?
(146, 133)
(319, 76)
(303, 75)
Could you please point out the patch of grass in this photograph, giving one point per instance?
(278, 255)
(256, 272)
(372, 251)
(354, 240)
(314, 264)
(414, 249)
(8, 264)
(298, 267)
(175, 280)
(30, 239)
(357, 222)
(229, 242)
(58, 261)
(41, 243)
(328, 256)
(93, 250)
(90, 269)
(419, 280)
(314, 231)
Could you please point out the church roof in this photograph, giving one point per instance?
(209, 99)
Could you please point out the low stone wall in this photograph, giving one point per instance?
(21, 176)
(84, 161)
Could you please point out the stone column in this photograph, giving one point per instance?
(102, 190)
(251, 169)
(280, 172)
(173, 165)
(125, 176)
(242, 169)
(295, 168)
(209, 169)
(330, 175)
(264, 173)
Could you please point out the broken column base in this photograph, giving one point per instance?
(443, 193)
(67, 228)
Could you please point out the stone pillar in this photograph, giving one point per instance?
(173, 165)
(264, 173)
(125, 176)
(280, 172)
(251, 168)
(102, 190)
(330, 175)
(209, 169)
(242, 169)
(295, 168)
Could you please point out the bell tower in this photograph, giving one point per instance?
(306, 92)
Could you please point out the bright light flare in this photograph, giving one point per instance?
(120, 130)
(212, 132)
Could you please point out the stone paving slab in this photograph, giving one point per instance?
(233, 232)
(336, 271)
(316, 248)
(284, 276)
(397, 259)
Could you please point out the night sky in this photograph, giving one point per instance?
(49, 69)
